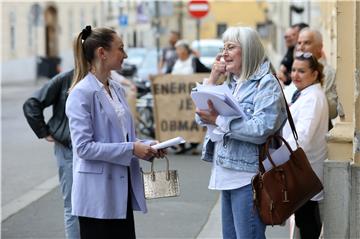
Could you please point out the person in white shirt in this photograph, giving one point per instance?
(186, 64)
(309, 109)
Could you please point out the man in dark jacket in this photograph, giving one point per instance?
(54, 93)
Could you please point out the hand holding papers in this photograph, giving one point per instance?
(221, 97)
(223, 101)
(169, 143)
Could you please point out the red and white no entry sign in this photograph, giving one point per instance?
(198, 8)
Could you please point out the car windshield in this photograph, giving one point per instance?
(209, 51)
(135, 56)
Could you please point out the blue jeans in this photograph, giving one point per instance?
(240, 219)
(65, 164)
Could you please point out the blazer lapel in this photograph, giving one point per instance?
(109, 110)
(120, 95)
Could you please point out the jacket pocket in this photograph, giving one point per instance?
(91, 167)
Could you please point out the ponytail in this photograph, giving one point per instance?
(84, 50)
(81, 65)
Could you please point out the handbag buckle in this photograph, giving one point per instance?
(285, 196)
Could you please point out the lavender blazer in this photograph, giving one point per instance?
(102, 154)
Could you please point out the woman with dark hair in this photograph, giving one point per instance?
(309, 109)
(107, 183)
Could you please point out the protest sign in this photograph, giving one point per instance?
(174, 110)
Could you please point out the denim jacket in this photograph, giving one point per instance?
(261, 99)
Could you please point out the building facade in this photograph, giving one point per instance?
(37, 36)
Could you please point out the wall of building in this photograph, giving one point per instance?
(24, 39)
(246, 13)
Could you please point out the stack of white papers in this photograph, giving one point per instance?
(221, 97)
(224, 103)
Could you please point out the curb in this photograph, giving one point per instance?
(26, 199)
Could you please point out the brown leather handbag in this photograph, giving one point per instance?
(284, 188)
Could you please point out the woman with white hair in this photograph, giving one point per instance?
(235, 156)
(187, 63)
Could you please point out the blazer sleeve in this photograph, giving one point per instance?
(78, 110)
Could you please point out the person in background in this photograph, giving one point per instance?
(309, 109)
(54, 93)
(187, 64)
(310, 40)
(168, 54)
(107, 184)
(298, 27)
(235, 155)
(286, 62)
(291, 36)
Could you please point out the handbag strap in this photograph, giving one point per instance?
(290, 118)
(264, 149)
(167, 164)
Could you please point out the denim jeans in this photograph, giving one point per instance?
(64, 160)
(240, 219)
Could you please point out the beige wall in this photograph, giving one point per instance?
(246, 13)
(346, 57)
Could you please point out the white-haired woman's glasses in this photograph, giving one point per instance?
(228, 48)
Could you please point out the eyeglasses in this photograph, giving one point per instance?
(306, 55)
(299, 55)
(228, 48)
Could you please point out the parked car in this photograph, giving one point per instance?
(145, 60)
(207, 49)
(149, 65)
(136, 56)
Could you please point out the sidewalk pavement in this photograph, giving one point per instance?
(212, 228)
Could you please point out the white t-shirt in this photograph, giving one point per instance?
(223, 178)
(311, 119)
(183, 67)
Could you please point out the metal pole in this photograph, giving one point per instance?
(198, 33)
(157, 26)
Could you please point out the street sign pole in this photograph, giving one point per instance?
(198, 33)
(198, 9)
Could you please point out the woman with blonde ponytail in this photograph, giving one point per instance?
(107, 184)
